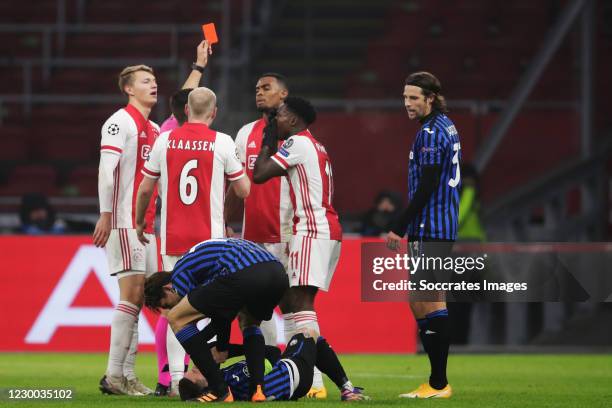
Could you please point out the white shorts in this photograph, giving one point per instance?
(168, 262)
(279, 250)
(125, 253)
(312, 262)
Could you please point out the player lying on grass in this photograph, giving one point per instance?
(218, 278)
(289, 378)
(212, 290)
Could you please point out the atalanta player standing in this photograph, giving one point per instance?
(430, 221)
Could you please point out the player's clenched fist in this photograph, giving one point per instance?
(102, 231)
(393, 241)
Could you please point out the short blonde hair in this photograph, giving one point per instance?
(126, 76)
(202, 102)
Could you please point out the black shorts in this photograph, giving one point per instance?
(257, 288)
(433, 254)
(303, 352)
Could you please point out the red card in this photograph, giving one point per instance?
(210, 34)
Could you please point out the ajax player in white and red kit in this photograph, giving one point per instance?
(127, 137)
(267, 210)
(317, 234)
(190, 165)
(316, 238)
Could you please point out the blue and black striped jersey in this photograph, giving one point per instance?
(237, 377)
(213, 259)
(436, 143)
(277, 383)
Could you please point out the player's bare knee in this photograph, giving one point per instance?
(131, 289)
(285, 304)
(134, 295)
(303, 298)
(422, 309)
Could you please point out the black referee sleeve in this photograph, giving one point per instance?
(429, 182)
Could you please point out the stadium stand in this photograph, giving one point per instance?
(328, 50)
(352, 58)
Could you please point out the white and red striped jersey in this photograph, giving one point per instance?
(312, 187)
(192, 163)
(128, 134)
(267, 209)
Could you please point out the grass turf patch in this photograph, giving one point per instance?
(478, 380)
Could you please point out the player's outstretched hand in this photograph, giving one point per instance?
(229, 232)
(202, 53)
(393, 241)
(140, 233)
(102, 231)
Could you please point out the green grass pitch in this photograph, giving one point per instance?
(478, 380)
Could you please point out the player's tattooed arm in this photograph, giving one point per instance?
(265, 167)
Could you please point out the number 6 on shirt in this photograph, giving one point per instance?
(188, 185)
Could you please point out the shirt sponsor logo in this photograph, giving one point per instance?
(145, 151)
(251, 161)
(426, 149)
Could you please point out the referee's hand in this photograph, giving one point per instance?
(202, 52)
(393, 241)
